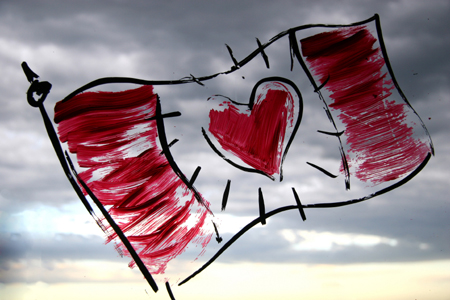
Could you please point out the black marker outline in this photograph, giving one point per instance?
(170, 145)
(194, 79)
(316, 205)
(116, 228)
(168, 115)
(262, 207)
(194, 176)
(165, 147)
(218, 237)
(43, 88)
(299, 205)
(67, 165)
(236, 64)
(169, 291)
(173, 142)
(228, 98)
(250, 104)
(331, 133)
(226, 192)
(213, 147)
(322, 85)
(263, 54)
(322, 170)
(296, 51)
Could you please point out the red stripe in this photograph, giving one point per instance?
(115, 141)
(377, 129)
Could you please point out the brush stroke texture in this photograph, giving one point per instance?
(255, 133)
(377, 129)
(114, 136)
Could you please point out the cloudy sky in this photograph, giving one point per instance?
(395, 246)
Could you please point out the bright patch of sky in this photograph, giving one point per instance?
(311, 240)
(47, 220)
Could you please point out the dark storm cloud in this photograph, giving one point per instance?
(30, 259)
(16, 246)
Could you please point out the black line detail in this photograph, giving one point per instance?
(291, 49)
(345, 166)
(118, 231)
(41, 89)
(332, 133)
(317, 205)
(327, 111)
(194, 176)
(58, 150)
(235, 237)
(299, 204)
(169, 290)
(172, 143)
(235, 62)
(93, 214)
(218, 237)
(225, 195)
(394, 80)
(169, 157)
(228, 98)
(322, 85)
(67, 170)
(377, 193)
(195, 79)
(262, 207)
(250, 170)
(250, 106)
(29, 73)
(168, 115)
(322, 170)
(294, 51)
(163, 142)
(297, 54)
(263, 54)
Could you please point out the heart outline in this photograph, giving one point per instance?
(297, 116)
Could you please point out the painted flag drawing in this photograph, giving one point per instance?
(385, 138)
(116, 138)
(153, 212)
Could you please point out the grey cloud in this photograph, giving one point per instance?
(153, 40)
(266, 246)
(16, 246)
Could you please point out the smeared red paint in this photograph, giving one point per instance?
(256, 136)
(115, 141)
(376, 127)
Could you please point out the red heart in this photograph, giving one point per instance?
(259, 133)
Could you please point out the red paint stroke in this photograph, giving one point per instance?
(113, 138)
(376, 127)
(256, 136)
